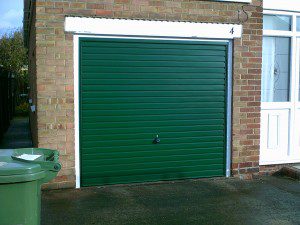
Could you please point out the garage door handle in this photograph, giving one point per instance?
(156, 140)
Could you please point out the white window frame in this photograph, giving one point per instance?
(294, 64)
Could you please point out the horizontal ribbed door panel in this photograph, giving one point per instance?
(132, 90)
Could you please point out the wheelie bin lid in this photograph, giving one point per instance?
(13, 171)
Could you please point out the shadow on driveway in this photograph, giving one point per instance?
(270, 200)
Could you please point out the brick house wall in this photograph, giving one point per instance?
(54, 70)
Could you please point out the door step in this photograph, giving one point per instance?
(292, 171)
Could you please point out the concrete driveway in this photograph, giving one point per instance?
(269, 200)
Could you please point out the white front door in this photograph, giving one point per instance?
(280, 108)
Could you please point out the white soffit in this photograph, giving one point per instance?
(244, 1)
(83, 25)
(282, 5)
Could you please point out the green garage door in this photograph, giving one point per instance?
(151, 110)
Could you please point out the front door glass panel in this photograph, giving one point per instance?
(276, 69)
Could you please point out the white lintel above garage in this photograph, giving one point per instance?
(83, 25)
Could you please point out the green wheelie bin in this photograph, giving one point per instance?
(22, 172)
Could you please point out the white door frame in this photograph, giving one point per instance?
(285, 111)
(76, 38)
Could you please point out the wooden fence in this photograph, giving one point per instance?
(7, 100)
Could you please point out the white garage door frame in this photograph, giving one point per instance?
(230, 31)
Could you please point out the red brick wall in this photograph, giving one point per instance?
(54, 64)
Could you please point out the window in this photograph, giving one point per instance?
(275, 70)
(298, 23)
(274, 22)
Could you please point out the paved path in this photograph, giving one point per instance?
(269, 201)
(17, 135)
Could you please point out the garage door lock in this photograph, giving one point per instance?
(156, 140)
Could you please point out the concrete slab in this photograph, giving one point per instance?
(291, 171)
(297, 166)
(269, 201)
